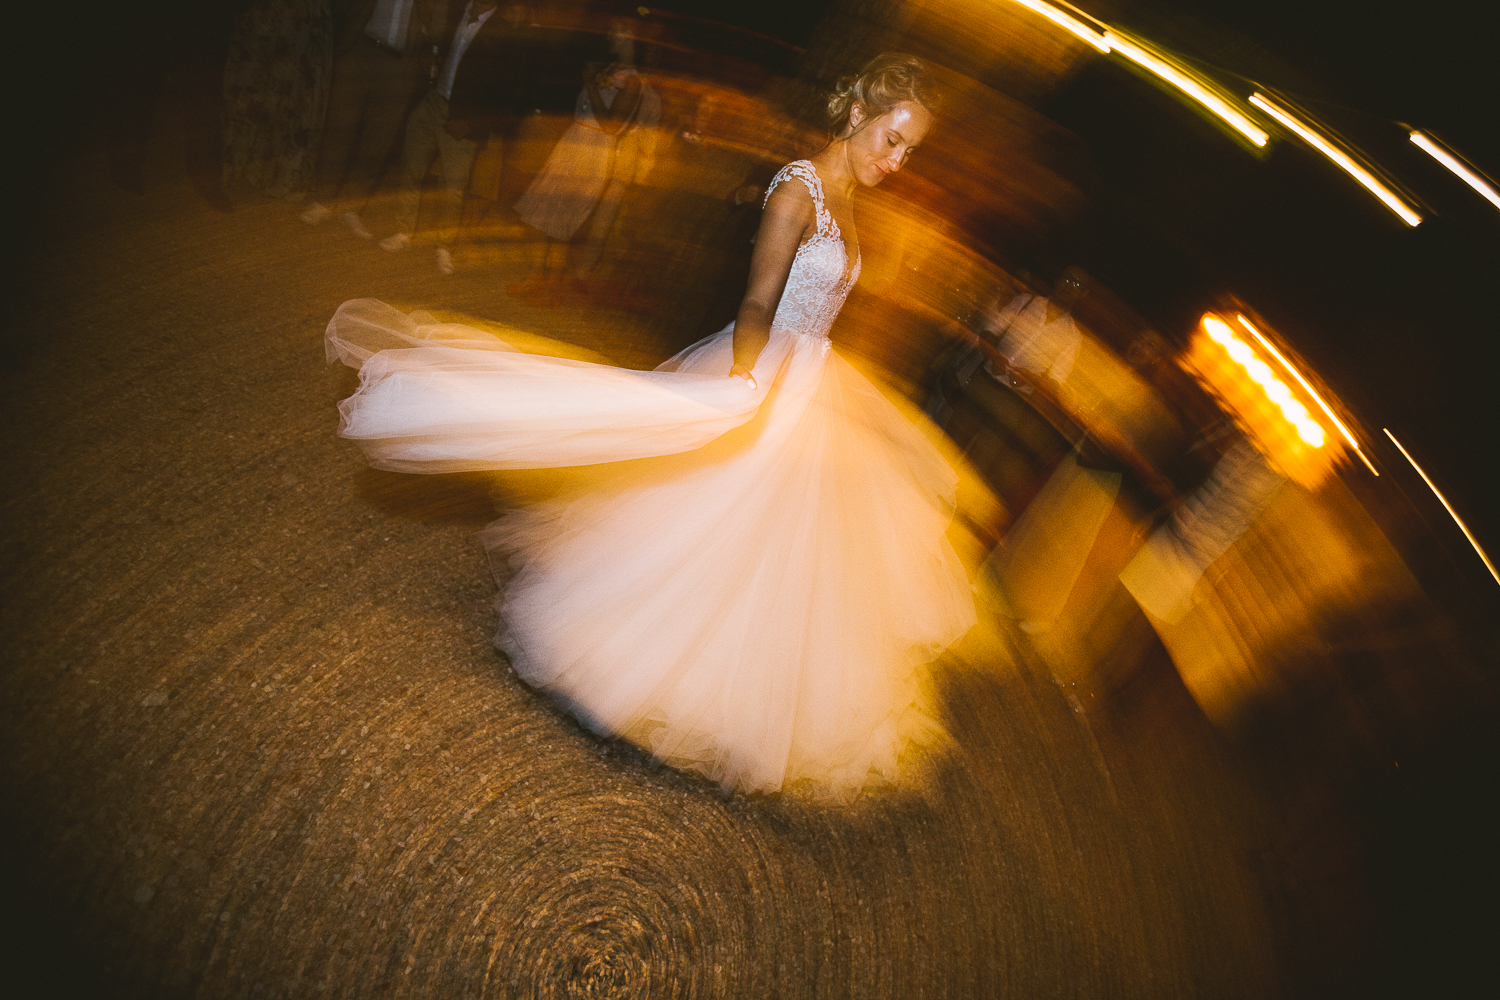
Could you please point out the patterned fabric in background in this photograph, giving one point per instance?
(276, 84)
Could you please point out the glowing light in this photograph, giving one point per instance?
(1310, 431)
(1310, 390)
(1450, 161)
(1264, 408)
(1218, 329)
(1340, 159)
(1446, 505)
(1069, 24)
(1189, 86)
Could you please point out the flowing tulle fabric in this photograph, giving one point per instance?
(445, 397)
(755, 608)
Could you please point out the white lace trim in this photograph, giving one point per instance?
(821, 275)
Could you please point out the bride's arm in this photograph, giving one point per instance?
(788, 217)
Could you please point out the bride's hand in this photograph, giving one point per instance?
(744, 372)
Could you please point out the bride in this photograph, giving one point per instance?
(757, 606)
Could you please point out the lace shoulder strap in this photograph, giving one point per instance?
(804, 172)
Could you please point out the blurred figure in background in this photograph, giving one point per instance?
(1162, 575)
(468, 99)
(634, 154)
(383, 48)
(276, 84)
(1037, 334)
(971, 350)
(575, 176)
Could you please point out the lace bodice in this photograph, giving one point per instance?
(821, 277)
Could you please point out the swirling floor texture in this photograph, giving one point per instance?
(258, 743)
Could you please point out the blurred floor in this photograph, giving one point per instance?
(259, 745)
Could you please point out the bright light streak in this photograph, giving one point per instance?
(1449, 507)
(1188, 86)
(1218, 330)
(1341, 159)
(1310, 390)
(1259, 371)
(1069, 24)
(1311, 431)
(1308, 430)
(1450, 161)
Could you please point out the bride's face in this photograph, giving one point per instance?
(878, 148)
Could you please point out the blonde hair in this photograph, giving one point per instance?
(885, 82)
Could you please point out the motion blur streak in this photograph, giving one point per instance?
(1310, 390)
(1447, 159)
(1067, 23)
(1195, 89)
(1260, 373)
(1446, 505)
(1340, 158)
(1266, 409)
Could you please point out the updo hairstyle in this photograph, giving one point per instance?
(885, 82)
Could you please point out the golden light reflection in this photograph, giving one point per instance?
(1447, 159)
(1327, 410)
(1195, 88)
(1065, 21)
(1341, 159)
(1446, 505)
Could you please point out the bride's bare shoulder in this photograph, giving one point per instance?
(790, 198)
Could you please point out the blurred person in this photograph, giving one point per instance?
(633, 160)
(973, 339)
(1036, 334)
(1201, 528)
(276, 85)
(577, 172)
(472, 94)
(383, 49)
(755, 601)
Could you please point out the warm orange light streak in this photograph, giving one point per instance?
(1189, 86)
(1067, 23)
(1340, 159)
(1310, 390)
(1447, 159)
(1446, 505)
(1260, 373)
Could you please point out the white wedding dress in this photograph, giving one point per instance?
(755, 608)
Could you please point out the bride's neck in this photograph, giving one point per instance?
(833, 166)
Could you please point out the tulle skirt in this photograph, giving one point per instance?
(757, 606)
